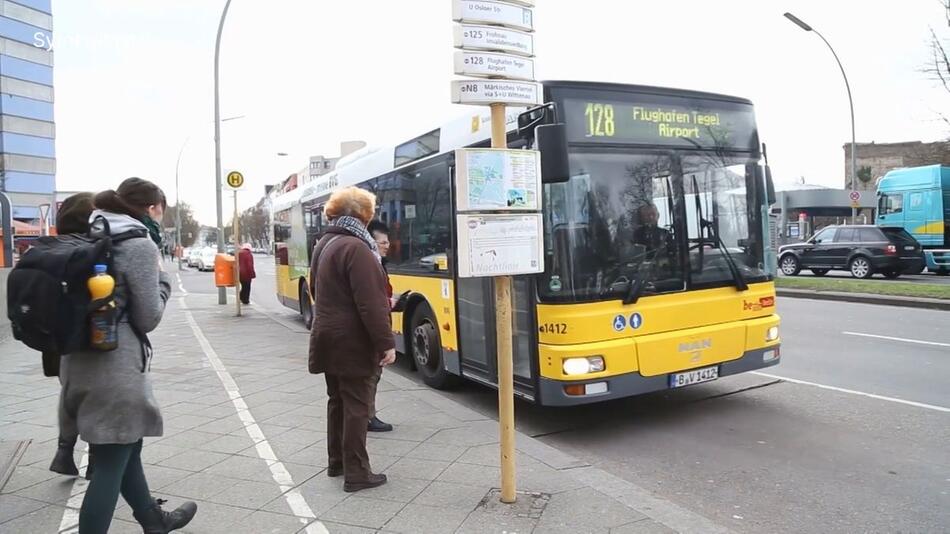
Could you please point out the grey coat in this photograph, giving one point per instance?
(108, 394)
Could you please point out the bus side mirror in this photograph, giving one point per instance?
(552, 142)
(769, 186)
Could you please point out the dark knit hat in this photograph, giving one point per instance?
(73, 216)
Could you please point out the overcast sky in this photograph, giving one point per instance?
(134, 77)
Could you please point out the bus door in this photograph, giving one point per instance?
(476, 324)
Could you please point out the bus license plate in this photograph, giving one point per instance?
(696, 376)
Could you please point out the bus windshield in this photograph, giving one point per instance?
(668, 221)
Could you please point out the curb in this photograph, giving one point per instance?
(866, 298)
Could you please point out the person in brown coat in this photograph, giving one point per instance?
(351, 338)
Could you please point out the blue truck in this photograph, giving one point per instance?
(917, 199)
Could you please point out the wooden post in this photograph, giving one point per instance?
(236, 226)
(503, 322)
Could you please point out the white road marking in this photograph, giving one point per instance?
(181, 285)
(902, 339)
(279, 472)
(854, 392)
(70, 521)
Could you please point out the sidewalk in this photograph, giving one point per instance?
(245, 438)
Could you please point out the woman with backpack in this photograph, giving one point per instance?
(109, 394)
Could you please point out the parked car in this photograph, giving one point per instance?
(861, 249)
(206, 259)
(194, 254)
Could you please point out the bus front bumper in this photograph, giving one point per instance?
(552, 392)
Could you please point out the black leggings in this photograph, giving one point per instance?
(118, 469)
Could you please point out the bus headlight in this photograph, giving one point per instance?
(771, 334)
(583, 366)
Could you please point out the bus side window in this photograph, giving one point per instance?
(425, 227)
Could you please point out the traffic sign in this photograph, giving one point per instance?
(498, 13)
(493, 65)
(855, 196)
(235, 180)
(480, 92)
(493, 39)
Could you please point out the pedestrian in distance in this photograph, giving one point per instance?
(351, 338)
(380, 233)
(72, 219)
(246, 266)
(110, 393)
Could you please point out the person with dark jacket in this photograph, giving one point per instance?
(380, 233)
(351, 338)
(109, 394)
(246, 268)
(72, 218)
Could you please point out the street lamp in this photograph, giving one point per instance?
(222, 292)
(177, 203)
(801, 24)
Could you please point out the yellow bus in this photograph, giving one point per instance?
(658, 266)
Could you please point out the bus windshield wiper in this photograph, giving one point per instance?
(713, 230)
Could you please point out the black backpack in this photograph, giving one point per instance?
(48, 302)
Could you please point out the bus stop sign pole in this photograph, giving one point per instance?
(503, 321)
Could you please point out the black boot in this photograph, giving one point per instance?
(375, 425)
(63, 462)
(157, 521)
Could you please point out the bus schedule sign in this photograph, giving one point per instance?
(499, 245)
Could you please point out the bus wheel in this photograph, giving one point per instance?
(306, 310)
(427, 350)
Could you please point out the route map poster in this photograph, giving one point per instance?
(490, 179)
(499, 245)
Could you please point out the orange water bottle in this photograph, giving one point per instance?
(103, 326)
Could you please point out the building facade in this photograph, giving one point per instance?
(874, 160)
(27, 130)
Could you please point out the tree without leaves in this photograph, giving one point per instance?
(938, 69)
(189, 226)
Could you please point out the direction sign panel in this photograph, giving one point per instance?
(512, 93)
(499, 13)
(493, 39)
(499, 245)
(493, 65)
(497, 179)
(235, 180)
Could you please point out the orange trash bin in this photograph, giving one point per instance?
(224, 270)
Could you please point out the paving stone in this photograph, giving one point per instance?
(213, 518)
(340, 528)
(45, 519)
(419, 519)
(488, 455)
(436, 451)
(262, 522)
(471, 474)
(479, 522)
(195, 460)
(154, 453)
(227, 444)
(645, 526)
(240, 467)
(585, 508)
(247, 494)
(392, 447)
(13, 506)
(320, 492)
(452, 495)
(189, 439)
(24, 477)
(200, 486)
(467, 436)
(364, 512)
(413, 468)
(57, 490)
(397, 489)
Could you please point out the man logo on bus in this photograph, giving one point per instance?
(620, 322)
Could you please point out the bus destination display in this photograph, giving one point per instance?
(679, 122)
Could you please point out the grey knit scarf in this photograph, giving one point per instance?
(358, 229)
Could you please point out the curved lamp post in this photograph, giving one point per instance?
(801, 24)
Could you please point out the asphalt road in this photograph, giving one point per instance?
(849, 434)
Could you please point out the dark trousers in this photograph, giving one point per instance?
(118, 470)
(347, 414)
(246, 292)
(373, 382)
